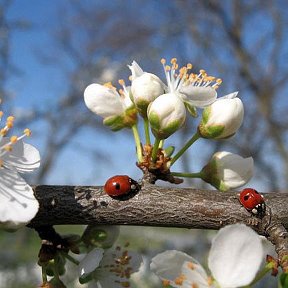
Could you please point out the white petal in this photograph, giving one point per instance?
(168, 264)
(103, 101)
(23, 157)
(229, 96)
(115, 268)
(136, 70)
(198, 96)
(235, 256)
(90, 262)
(235, 170)
(18, 205)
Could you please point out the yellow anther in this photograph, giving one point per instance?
(10, 119)
(163, 61)
(9, 124)
(191, 265)
(175, 66)
(109, 85)
(167, 68)
(210, 78)
(219, 81)
(8, 148)
(130, 78)
(27, 132)
(189, 66)
(179, 280)
(121, 82)
(202, 71)
(209, 280)
(3, 132)
(13, 139)
(121, 92)
(173, 61)
(165, 283)
(1, 114)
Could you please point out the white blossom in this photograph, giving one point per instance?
(234, 259)
(18, 204)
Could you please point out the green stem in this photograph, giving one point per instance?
(70, 258)
(193, 139)
(161, 144)
(155, 149)
(137, 142)
(187, 175)
(44, 275)
(146, 129)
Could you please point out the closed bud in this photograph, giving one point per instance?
(223, 118)
(166, 115)
(226, 170)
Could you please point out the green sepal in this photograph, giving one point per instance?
(87, 278)
(169, 151)
(211, 132)
(191, 109)
(284, 280)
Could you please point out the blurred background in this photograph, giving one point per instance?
(51, 50)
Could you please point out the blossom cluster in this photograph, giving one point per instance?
(164, 106)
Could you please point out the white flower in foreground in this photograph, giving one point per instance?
(190, 90)
(145, 88)
(109, 268)
(226, 170)
(234, 259)
(223, 118)
(116, 108)
(18, 204)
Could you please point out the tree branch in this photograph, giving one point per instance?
(152, 206)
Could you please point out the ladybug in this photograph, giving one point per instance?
(121, 187)
(252, 201)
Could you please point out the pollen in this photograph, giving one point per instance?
(180, 279)
(27, 132)
(109, 85)
(121, 82)
(165, 282)
(191, 265)
(1, 114)
(163, 61)
(13, 139)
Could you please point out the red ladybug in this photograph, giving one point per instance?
(252, 201)
(121, 187)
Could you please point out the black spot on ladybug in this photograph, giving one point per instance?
(117, 186)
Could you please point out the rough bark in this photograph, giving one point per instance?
(152, 206)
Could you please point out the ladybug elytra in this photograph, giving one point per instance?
(252, 201)
(121, 187)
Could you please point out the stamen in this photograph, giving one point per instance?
(1, 114)
(163, 61)
(165, 282)
(121, 82)
(109, 85)
(27, 132)
(13, 139)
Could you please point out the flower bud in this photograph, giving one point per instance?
(223, 118)
(117, 110)
(145, 89)
(226, 170)
(166, 115)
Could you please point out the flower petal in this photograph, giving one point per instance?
(18, 203)
(90, 262)
(198, 96)
(136, 70)
(116, 267)
(103, 101)
(23, 157)
(235, 256)
(168, 265)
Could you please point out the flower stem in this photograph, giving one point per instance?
(187, 175)
(193, 139)
(161, 144)
(70, 258)
(137, 142)
(146, 129)
(44, 275)
(155, 149)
